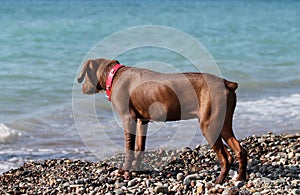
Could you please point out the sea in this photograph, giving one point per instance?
(43, 114)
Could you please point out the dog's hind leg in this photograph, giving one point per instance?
(222, 155)
(141, 133)
(229, 156)
(228, 135)
(214, 139)
(211, 118)
(239, 151)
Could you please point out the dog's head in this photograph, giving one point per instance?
(94, 72)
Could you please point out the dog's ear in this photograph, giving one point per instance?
(103, 62)
(80, 78)
(102, 65)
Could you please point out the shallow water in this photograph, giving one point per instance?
(44, 43)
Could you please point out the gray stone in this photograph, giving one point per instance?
(66, 185)
(256, 193)
(266, 180)
(161, 189)
(295, 191)
(239, 184)
(261, 140)
(79, 182)
(133, 182)
(252, 176)
(291, 136)
(265, 191)
(92, 193)
(226, 191)
(119, 184)
(186, 149)
(180, 176)
(188, 178)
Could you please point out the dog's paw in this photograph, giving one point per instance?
(239, 177)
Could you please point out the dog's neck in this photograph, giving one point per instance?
(104, 72)
(110, 79)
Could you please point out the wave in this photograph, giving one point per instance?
(271, 113)
(7, 135)
(12, 157)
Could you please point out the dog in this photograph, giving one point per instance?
(141, 96)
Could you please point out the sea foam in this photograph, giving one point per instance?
(272, 113)
(7, 134)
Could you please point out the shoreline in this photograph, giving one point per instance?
(273, 167)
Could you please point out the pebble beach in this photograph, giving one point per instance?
(273, 168)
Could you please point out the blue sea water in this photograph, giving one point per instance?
(43, 44)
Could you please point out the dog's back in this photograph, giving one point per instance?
(167, 97)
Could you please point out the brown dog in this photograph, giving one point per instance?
(141, 95)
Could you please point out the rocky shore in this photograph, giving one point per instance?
(273, 168)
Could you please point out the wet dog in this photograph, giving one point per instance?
(141, 96)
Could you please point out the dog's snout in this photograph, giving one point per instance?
(80, 79)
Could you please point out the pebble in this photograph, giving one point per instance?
(65, 185)
(119, 184)
(227, 191)
(291, 154)
(200, 188)
(295, 191)
(273, 168)
(239, 184)
(133, 182)
(250, 185)
(186, 149)
(119, 192)
(189, 178)
(161, 189)
(180, 176)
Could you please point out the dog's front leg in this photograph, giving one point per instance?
(129, 133)
(141, 131)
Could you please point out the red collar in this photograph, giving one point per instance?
(110, 79)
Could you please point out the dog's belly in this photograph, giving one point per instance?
(159, 112)
(155, 101)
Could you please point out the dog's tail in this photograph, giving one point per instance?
(230, 85)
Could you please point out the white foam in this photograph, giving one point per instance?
(7, 134)
(274, 113)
